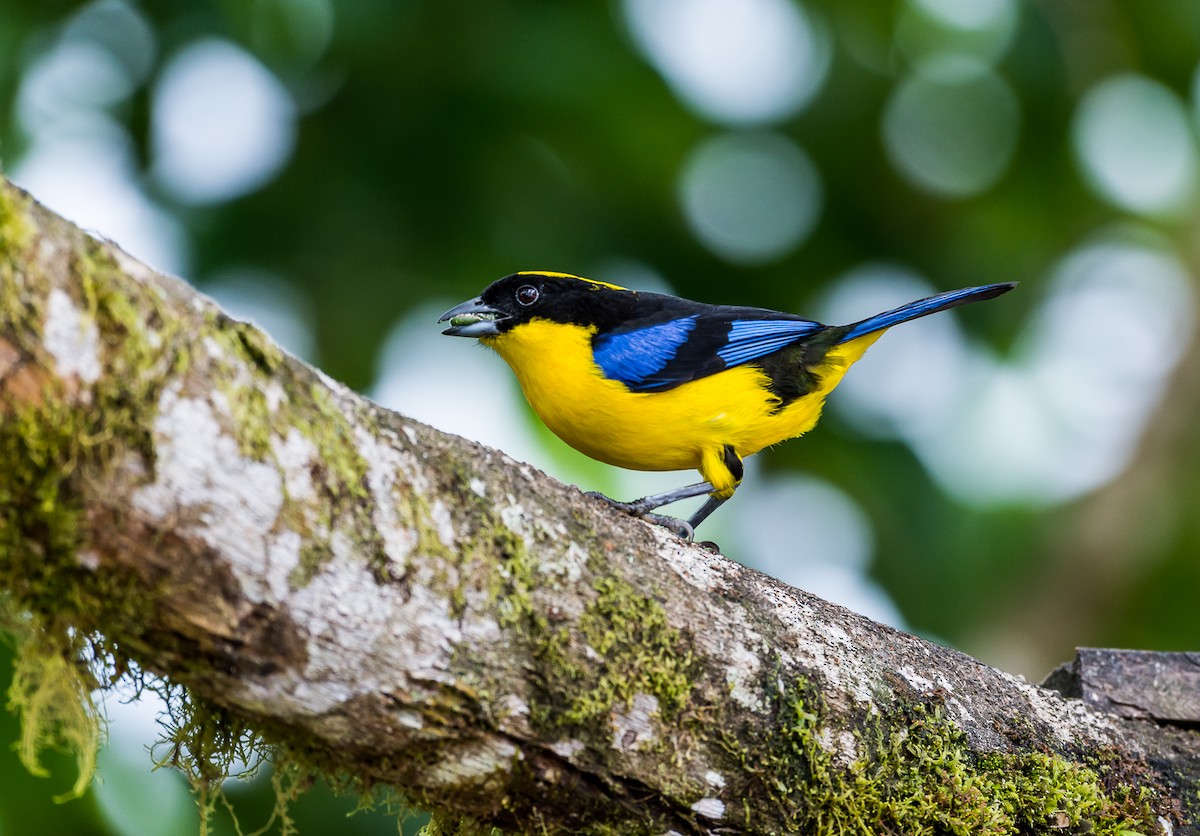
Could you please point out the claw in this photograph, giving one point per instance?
(680, 528)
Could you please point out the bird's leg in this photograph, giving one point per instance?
(642, 507)
(704, 510)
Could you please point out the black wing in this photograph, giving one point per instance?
(695, 341)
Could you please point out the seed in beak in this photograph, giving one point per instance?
(470, 319)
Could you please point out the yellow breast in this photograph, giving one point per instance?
(668, 430)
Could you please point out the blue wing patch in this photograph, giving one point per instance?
(635, 356)
(662, 356)
(750, 339)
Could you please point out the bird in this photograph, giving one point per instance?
(650, 381)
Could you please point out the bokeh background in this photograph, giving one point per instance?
(1014, 479)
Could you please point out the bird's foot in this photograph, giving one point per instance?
(680, 528)
(641, 509)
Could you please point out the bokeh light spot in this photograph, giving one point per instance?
(222, 124)
(119, 29)
(734, 61)
(834, 529)
(952, 132)
(1135, 145)
(750, 198)
(64, 88)
(810, 534)
(932, 30)
(132, 798)
(970, 14)
(877, 396)
(89, 177)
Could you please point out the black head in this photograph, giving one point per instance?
(521, 297)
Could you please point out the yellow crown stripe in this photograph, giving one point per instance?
(569, 276)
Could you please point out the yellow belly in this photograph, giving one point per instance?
(681, 428)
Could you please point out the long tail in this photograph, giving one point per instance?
(924, 307)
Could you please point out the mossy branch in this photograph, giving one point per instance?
(406, 609)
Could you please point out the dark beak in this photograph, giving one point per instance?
(472, 319)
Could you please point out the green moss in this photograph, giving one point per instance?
(641, 653)
(415, 513)
(46, 441)
(512, 581)
(252, 419)
(241, 348)
(341, 479)
(515, 579)
(205, 743)
(584, 669)
(450, 826)
(920, 777)
(257, 347)
(51, 437)
(16, 232)
(254, 422)
(39, 535)
(52, 696)
(334, 439)
(16, 235)
(312, 557)
(43, 441)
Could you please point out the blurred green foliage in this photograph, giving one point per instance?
(442, 145)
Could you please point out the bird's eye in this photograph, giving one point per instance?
(527, 294)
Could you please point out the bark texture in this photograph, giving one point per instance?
(1134, 683)
(415, 610)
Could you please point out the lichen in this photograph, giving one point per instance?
(339, 474)
(260, 403)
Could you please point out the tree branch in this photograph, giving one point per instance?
(415, 610)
